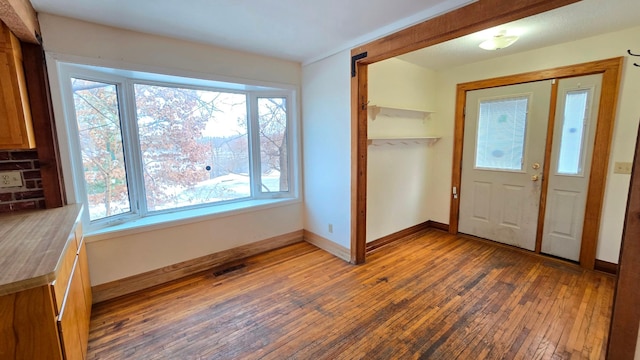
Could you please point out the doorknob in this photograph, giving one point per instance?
(535, 177)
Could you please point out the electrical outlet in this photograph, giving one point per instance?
(330, 228)
(622, 168)
(10, 179)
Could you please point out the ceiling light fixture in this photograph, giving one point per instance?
(498, 41)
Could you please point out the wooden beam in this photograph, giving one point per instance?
(474, 17)
(359, 167)
(21, 19)
(43, 124)
(623, 333)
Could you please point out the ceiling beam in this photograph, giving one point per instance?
(476, 16)
(21, 19)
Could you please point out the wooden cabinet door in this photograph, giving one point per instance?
(16, 129)
(72, 326)
(85, 320)
(28, 325)
(61, 284)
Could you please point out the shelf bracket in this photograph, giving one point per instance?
(355, 59)
(374, 111)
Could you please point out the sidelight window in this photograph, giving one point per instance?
(574, 126)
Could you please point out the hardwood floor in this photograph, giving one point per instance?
(432, 297)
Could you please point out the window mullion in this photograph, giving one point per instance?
(261, 98)
(291, 161)
(254, 144)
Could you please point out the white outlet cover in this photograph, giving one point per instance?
(10, 179)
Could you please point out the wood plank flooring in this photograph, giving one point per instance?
(433, 297)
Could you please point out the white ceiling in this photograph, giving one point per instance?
(580, 20)
(308, 30)
(298, 30)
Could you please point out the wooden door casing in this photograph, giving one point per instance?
(610, 70)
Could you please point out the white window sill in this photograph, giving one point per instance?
(167, 220)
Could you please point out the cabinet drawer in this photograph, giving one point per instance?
(64, 274)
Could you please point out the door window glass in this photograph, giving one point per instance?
(501, 132)
(570, 160)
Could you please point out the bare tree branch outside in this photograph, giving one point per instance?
(193, 146)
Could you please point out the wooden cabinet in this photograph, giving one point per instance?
(50, 321)
(16, 129)
(71, 320)
(75, 302)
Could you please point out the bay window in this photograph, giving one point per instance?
(143, 144)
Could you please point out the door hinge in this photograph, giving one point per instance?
(355, 59)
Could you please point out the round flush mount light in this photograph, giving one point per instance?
(499, 41)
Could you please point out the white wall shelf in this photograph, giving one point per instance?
(429, 140)
(375, 110)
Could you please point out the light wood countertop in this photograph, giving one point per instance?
(32, 244)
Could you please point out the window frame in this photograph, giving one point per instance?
(589, 90)
(125, 81)
(525, 140)
(255, 142)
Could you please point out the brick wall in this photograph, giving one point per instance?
(30, 195)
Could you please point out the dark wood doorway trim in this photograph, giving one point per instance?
(474, 17)
(44, 127)
(611, 71)
(623, 334)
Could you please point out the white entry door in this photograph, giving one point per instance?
(574, 133)
(504, 146)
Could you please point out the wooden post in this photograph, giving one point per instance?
(623, 334)
(43, 124)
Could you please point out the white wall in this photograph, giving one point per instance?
(73, 37)
(595, 48)
(117, 256)
(326, 139)
(398, 83)
(399, 174)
